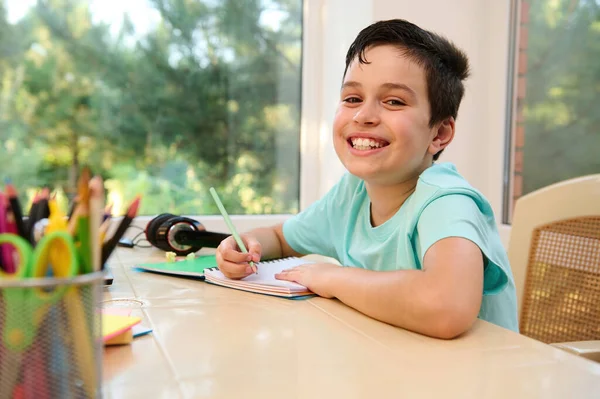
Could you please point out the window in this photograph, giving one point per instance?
(555, 131)
(163, 98)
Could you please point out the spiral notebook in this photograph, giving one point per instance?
(263, 282)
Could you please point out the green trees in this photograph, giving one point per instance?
(562, 104)
(208, 95)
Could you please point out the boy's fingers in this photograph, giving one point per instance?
(232, 263)
(286, 275)
(232, 255)
(235, 270)
(254, 248)
(229, 251)
(228, 243)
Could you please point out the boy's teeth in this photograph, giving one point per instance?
(364, 144)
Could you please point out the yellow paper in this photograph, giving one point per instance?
(114, 325)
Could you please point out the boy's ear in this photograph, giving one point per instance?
(443, 136)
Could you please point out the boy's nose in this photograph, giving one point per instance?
(367, 114)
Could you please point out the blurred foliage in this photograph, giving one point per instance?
(562, 102)
(208, 96)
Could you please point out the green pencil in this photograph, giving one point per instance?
(230, 225)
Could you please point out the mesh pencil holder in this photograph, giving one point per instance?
(51, 337)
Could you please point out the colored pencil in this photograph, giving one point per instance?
(32, 217)
(6, 260)
(107, 212)
(82, 338)
(104, 229)
(111, 244)
(10, 227)
(16, 209)
(96, 215)
(73, 206)
(232, 229)
(44, 209)
(80, 330)
(82, 234)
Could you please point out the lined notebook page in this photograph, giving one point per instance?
(264, 281)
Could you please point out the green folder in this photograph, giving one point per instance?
(184, 268)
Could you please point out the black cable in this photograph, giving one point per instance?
(137, 243)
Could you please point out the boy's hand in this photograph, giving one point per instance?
(317, 277)
(232, 262)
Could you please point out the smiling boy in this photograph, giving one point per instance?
(419, 246)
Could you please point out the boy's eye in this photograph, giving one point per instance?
(352, 100)
(395, 102)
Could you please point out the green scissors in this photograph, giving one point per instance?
(25, 307)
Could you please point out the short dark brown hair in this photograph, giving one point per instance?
(445, 65)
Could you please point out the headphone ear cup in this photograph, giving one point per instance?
(197, 225)
(153, 225)
(166, 237)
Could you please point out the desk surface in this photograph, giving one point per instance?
(214, 342)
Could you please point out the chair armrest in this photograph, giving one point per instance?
(587, 349)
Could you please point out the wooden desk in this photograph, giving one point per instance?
(213, 342)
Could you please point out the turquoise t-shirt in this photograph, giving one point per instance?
(442, 205)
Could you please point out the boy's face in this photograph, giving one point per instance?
(381, 129)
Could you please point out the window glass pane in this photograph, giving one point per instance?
(557, 135)
(163, 98)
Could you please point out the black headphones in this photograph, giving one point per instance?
(181, 235)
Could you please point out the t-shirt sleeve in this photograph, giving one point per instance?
(458, 215)
(309, 232)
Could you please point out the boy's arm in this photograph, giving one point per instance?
(441, 300)
(272, 242)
